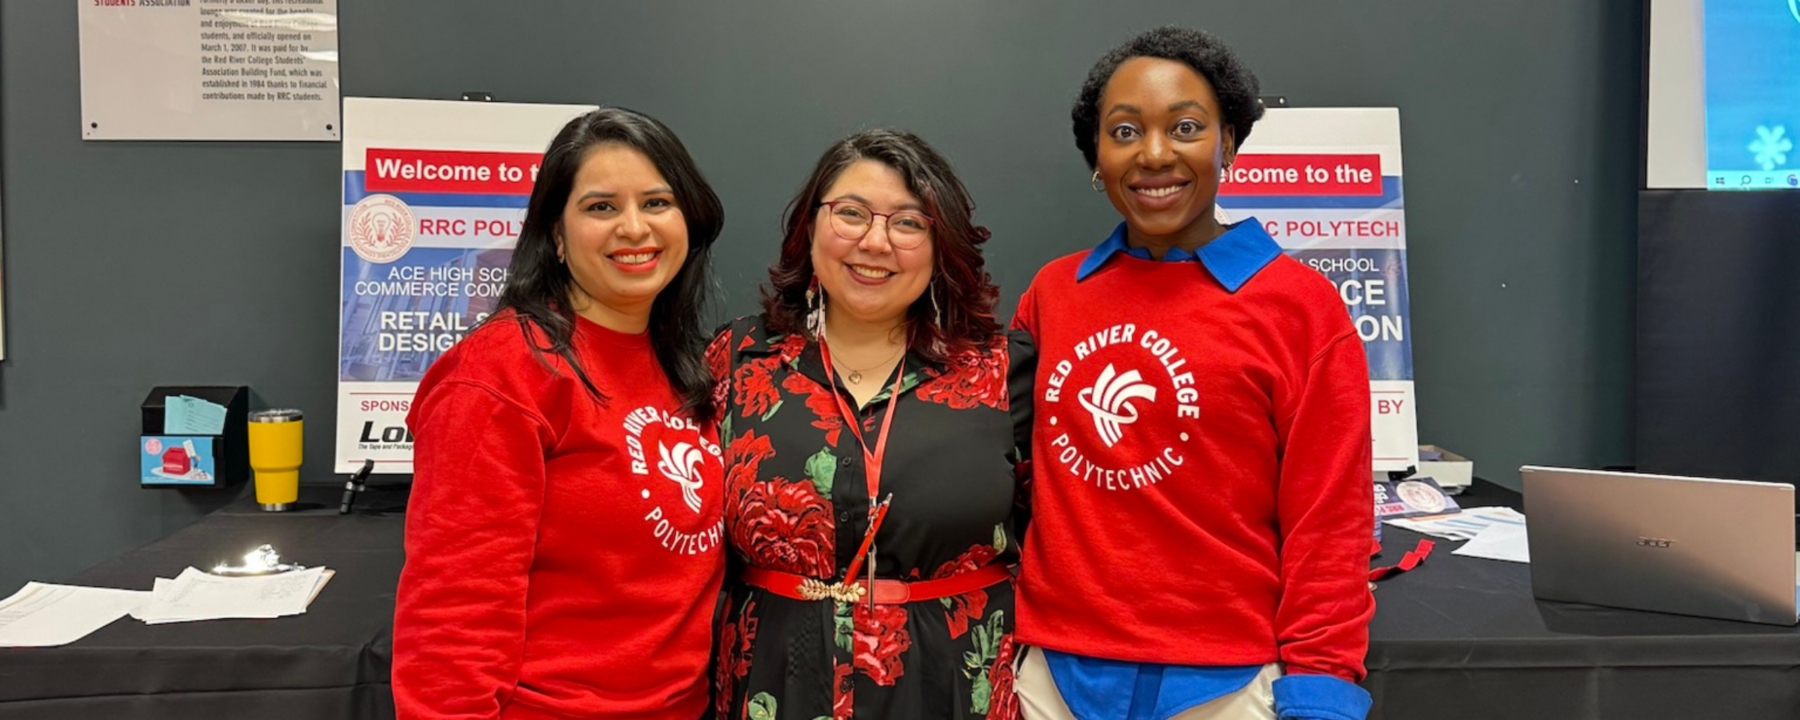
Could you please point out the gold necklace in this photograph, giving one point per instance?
(855, 376)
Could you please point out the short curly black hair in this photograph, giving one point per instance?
(1232, 82)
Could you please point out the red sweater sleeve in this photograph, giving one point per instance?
(1325, 508)
(1025, 315)
(471, 527)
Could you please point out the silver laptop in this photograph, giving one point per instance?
(1714, 548)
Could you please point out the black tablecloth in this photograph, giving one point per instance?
(1463, 638)
(331, 662)
(1457, 638)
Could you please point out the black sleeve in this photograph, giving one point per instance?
(1021, 377)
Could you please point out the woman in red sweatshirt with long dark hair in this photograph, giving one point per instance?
(563, 536)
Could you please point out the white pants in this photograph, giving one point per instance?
(1039, 699)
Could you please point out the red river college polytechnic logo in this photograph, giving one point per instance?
(380, 228)
(1109, 401)
(672, 455)
(1123, 410)
(682, 465)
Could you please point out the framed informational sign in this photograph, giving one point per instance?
(1325, 183)
(209, 69)
(434, 193)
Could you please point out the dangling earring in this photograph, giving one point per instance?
(815, 314)
(1098, 186)
(937, 313)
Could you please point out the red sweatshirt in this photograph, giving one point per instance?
(563, 554)
(1201, 462)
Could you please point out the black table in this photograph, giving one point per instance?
(1457, 638)
(331, 662)
(1463, 638)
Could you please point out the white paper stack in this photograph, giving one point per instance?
(1500, 541)
(1461, 526)
(195, 595)
(43, 615)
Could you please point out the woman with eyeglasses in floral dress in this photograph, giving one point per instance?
(874, 420)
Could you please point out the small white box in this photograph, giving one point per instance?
(1453, 473)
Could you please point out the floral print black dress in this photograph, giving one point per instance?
(796, 501)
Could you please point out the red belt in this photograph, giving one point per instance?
(887, 592)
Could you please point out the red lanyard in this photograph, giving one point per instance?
(1410, 560)
(871, 460)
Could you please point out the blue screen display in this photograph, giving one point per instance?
(1752, 94)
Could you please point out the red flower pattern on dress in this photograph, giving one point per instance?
(789, 346)
(970, 606)
(718, 363)
(843, 701)
(786, 526)
(976, 378)
(733, 663)
(755, 386)
(824, 408)
(972, 559)
(1003, 703)
(718, 357)
(965, 608)
(743, 459)
(880, 641)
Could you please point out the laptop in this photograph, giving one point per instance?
(1693, 546)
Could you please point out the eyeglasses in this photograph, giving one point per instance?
(851, 220)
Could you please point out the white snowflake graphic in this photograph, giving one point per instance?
(1770, 147)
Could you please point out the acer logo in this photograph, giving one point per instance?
(1651, 542)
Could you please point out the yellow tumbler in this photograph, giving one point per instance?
(275, 450)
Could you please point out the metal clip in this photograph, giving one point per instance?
(815, 589)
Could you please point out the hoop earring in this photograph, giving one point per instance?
(815, 314)
(1095, 182)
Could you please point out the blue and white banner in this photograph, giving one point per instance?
(434, 193)
(1326, 184)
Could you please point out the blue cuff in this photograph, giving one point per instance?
(1320, 697)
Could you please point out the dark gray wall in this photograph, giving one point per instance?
(130, 265)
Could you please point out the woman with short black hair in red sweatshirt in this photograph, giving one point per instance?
(563, 536)
(1201, 496)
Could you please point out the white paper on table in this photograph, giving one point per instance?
(1499, 542)
(1461, 526)
(195, 595)
(159, 593)
(43, 615)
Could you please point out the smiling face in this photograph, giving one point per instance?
(1162, 144)
(870, 279)
(622, 236)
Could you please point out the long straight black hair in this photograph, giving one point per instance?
(538, 287)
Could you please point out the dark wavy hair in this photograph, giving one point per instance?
(538, 287)
(962, 285)
(1233, 83)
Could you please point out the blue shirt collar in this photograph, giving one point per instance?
(1232, 258)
